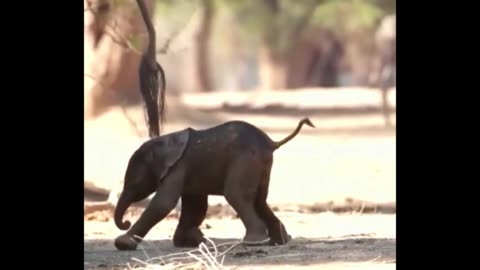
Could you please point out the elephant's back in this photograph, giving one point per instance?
(229, 139)
(250, 136)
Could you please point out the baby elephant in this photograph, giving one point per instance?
(233, 159)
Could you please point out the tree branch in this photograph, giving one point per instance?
(151, 35)
(152, 87)
(149, 72)
(119, 39)
(166, 46)
(98, 7)
(121, 101)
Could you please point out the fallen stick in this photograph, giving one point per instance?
(90, 207)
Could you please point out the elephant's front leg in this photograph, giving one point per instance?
(194, 210)
(162, 203)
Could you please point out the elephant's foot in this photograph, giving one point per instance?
(188, 238)
(281, 241)
(256, 239)
(125, 242)
(280, 236)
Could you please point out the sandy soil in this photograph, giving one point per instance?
(347, 241)
(349, 156)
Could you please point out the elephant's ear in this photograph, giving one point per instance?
(167, 150)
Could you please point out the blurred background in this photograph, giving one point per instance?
(268, 62)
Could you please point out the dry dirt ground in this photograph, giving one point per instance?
(326, 240)
(349, 156)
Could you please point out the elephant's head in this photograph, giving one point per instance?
(146, 168)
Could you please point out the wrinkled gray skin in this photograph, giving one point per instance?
(233, 159)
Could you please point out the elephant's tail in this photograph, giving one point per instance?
(294, 133)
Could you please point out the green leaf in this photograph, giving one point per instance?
(345, 16)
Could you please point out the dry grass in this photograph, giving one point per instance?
(331, 241)
(203, 257)
(212, 258)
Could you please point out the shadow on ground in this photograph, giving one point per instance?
(101, 254)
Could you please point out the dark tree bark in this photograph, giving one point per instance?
(150, 72)
(315, 60)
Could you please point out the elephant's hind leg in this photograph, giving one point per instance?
(194, 210)
(241, 185)
(276, 230)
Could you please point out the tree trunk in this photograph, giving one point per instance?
(203, 47)
(385, 41)
(111, 68)
(273, 69)
(277, 45)
(300, 61)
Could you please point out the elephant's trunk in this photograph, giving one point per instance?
(122, 206)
